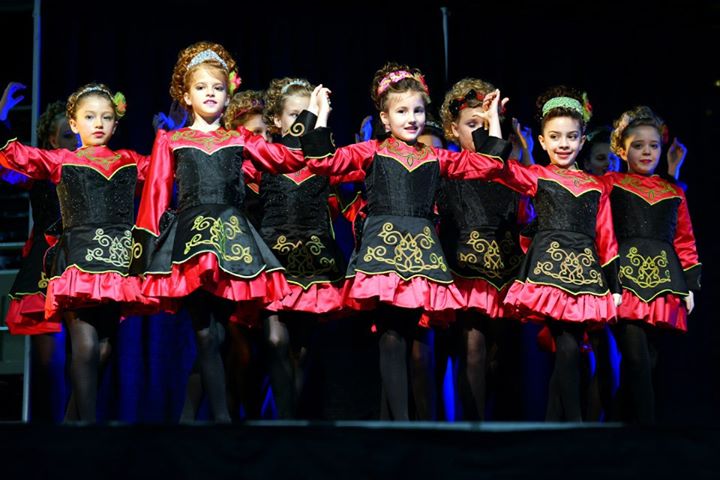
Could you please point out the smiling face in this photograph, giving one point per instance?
(94, 120)
(562, 139)
(405, 115)
(641, 149)
(207, 93)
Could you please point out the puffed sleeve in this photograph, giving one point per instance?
(156, 197)
(467, 165)
(36, 163)
(685, 245)
(606, 243)
(324, 159)
(517, 177)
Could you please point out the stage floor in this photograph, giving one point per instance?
(362, 450)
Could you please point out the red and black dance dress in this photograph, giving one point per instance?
(480, 224)
(208, 242)
(569, 272)
(26, 311)
(399, 260)
(658, 256)
(297, 226)
(96, 190)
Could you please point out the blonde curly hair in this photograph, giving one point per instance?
(182, 73)
(636, 117)
(277, 93)
(242, 106)
(459, 91)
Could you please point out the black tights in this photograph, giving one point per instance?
(598, 405)
(472, 368)
(45, 384)
(92, 334)
(564, 389)
(287, 343)
(398, 328)
(209, 314)
(636, 396)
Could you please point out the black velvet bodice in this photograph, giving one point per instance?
(204, 179)
(466, 204)
(633, 217)
(45, 205)
(87, 197)
(394, 190)
(287, 203)
(558, 209)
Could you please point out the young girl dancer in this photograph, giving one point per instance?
(89, 279)
(659, 266)
(399, 268)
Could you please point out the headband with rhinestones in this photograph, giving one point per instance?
(394, 77)
(299, 82)
(205, 56)
(118, 99)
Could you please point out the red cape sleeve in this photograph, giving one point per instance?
(324, 159)
(467, 165)
(685, 245)
(519, 178)
(270, 157)
(157, 190)
(252, 174)
(36, 163)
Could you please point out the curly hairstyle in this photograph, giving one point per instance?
(241, 107)
(636, 117)
(402, 86)
(98, 89)
(48, 123)
(459, 91)
(182, 73)
(561, 91)
(276, 95)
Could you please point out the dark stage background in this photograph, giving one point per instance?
(663, 54)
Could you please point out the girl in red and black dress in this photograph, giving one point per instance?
(480, 223)
(89, 279)
(568, 277)
(399, 269)
(207, 253)
(659, 267)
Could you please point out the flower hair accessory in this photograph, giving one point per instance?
(204, 56)
(565, 102)
(234, 82)
(394, 77)
(587, 107)
(120, 104)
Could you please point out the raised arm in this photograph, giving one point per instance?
(323, 158)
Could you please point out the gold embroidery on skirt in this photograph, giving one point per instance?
(220, 233)
(43, 282)
(648, 269)
(407, 254)
(112, 250)
(571, 266)
(301, 256)
(136, 249)
(488, 259)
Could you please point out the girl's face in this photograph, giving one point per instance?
(292, 106)
(562, 139)
(256, 125)
(467, 122)
(207, 94)
(602, 160)
(405, 115)
(94, 120)
(63, 136)
(641, 149)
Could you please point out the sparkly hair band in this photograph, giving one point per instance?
(584, 109)
(394, 77)
(118, 99)
(299, 82)
(204, 56)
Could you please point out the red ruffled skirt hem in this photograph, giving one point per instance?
(77, 289)
(482, 296)
(203, 271)
(26, 316)
(667, 311)
(363, 292)
(318, 298)
(532, 302)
